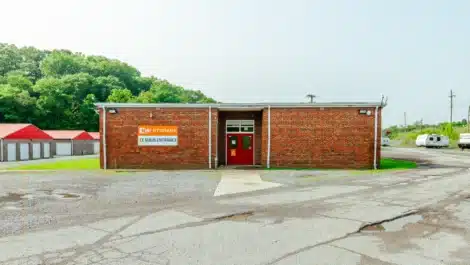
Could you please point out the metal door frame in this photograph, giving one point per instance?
(240, 132)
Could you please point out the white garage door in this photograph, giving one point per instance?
(47, 150)
(63, 149)
(24, 151)
(36, 150)
(96, 147)
(11, 152)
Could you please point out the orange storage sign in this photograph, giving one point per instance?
(148, 130)
(149, 135)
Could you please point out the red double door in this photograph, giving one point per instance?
(240, 149)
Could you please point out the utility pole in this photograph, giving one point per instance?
(451, 96)
(404, 115)
(468, 118)
(311, 97)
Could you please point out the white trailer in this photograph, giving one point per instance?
(464, 141)
(421, 140)
(432, 141)
(385, 141)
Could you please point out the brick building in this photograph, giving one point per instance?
(313, 135)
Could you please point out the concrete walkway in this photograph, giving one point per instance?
(239, 181)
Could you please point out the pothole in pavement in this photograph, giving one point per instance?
(392, 225)
(373, 228)
(12, 197)
(67, 195)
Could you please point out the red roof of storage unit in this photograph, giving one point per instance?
(69, 135)
(22, 131)
(95, 135)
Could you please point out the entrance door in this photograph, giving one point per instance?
(240, 149)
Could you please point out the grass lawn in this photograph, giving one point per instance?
(73, 164)
(388, 163)
(94, 163)
(385, 164)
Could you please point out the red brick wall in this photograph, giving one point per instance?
(321, 138)
(328, 138)
(193, 133)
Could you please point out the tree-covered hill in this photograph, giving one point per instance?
(57, 89)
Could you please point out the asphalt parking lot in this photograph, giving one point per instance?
(241, 217)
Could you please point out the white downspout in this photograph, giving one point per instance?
(375, 136)
(269, 138)
(104, 140)
(1, 150)
(216, 159)
(210, 137)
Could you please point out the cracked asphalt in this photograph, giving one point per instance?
(280, 217)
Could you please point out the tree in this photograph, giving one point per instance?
(146, 97)
(10, 58)
(103, 85)
(195, 96)
(86, 116)
(32, 58)
(61, 63)
(15, 104)
(53, 104)
(19, 81)
(77, 85)
(128, 75)
(58, 89)
(121, 96)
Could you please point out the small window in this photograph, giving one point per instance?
(233, 129)
(248, 128)
(246, 141)
(232, 142)
(438, 138)
(431, 139)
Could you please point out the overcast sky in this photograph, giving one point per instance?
(272, 50)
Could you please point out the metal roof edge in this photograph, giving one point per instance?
(240, 105)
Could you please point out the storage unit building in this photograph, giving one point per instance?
(71, 142)
(313, 135)
(96, 142)
(23, 142)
